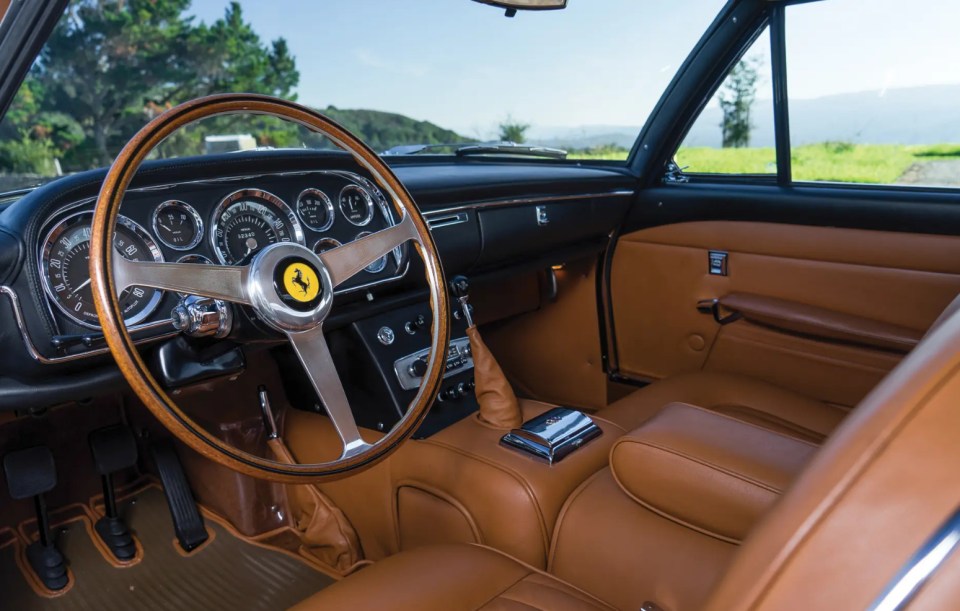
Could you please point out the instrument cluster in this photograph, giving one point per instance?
(320, 210)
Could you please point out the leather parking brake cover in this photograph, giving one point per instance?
(325, 531)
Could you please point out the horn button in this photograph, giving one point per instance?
(289, 287)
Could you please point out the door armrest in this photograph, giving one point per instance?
(821, 323)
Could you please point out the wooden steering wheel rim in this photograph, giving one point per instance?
(121, 344)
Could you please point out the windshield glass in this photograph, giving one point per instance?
(428, 72)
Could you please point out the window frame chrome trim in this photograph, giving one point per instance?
(921, 566)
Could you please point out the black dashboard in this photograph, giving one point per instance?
(486, 217)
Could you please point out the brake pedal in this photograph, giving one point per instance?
(113, 448)
(187, 521)
(32, 473)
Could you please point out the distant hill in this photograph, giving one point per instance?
(382, 130)
(913, 115)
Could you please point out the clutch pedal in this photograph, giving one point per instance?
(32, 473)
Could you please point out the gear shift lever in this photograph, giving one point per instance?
(498, 405)
(460, 287)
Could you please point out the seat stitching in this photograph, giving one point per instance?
(700, 461)
(545, 536)
(732, 419)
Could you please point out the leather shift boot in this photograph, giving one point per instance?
(325, 531)
(498, 405)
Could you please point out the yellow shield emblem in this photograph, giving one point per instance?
(301, 282)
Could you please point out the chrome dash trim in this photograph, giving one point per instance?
(920, 567)
(40, 358)
(447, 220)
(522, 201)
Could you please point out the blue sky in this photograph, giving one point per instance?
(465, 66)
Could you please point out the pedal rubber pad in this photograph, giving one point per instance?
(113, 448)
(187, 521)
(30, 472)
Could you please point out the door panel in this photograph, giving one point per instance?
(659, 275)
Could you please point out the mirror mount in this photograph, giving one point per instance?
(512, 6)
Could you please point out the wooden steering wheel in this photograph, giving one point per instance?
(262, 286)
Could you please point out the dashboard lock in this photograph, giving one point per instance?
(202, 317)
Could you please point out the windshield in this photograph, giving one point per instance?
(398, 74)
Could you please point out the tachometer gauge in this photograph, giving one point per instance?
(315, 209)
(356, 205)
(377, 266)
(177, 225)
(247, 221)
(65, 269)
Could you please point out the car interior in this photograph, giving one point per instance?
(346, 379)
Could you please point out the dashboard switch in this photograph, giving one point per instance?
(415, 325)
(418, 368)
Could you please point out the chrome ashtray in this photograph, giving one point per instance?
(553, 435)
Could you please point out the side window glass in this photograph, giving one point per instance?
(874, 92)
(734, 132)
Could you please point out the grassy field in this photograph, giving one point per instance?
(831, 161)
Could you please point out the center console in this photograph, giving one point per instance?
(460, 479)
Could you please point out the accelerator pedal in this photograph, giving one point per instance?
(187, 521)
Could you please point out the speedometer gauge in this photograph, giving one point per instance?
(247, 221)
(65, 269)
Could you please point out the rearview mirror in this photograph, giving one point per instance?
(513, 6)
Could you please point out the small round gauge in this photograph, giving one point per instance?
(377, 266)
(65, 271)
(195, 259)
(315, 209)
(247, 221)
(324, 244)
(356, 205)
(177, 225)
(199, 259)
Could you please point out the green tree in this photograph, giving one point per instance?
(513, 131)
(736, 101)
(112, 64)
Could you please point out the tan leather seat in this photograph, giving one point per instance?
(451, 577)
(838, 539)
(737, 396)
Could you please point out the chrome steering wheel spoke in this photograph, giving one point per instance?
(314, 354)
(214, 281)
(348, 260)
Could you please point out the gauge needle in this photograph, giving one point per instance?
(74, 291)
(165, 227)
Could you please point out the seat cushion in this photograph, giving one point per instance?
(739, 397)
(446, 577)
(713, 473)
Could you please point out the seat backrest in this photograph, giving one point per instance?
(885, 481)
(952, 308)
